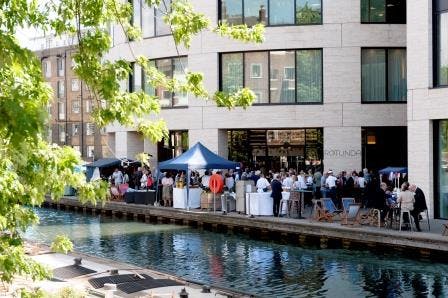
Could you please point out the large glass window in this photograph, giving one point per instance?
(232, 11)
(308, 12)
(172, 68)
(309, 76)
(283, 82)
(271, 12)
(179, 73)
(255, 11)
(164, 66)
(296, 148)
(441, 168)
(150, 19)
(161, 27)
(383, 11)
(281, 12)
(257, 75)
(383, 75)
(232, 72)
(441, 43)
(275, 77)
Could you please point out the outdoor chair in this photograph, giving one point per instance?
(346, 202)
(352, 215)
(330, 210)
(115, 194)
(372, 217)
(410, 218)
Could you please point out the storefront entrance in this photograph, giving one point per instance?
(384, 147)
(299, 149)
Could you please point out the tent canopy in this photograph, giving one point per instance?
(388, 170)
(198, 157)
(105, 163)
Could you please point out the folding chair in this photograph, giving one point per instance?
(352, 216)
(330, 209)
(346, 202)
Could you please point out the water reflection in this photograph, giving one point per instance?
(235, 261)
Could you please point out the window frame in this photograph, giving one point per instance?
(269, 103)
(268, 24)
(438, 9)
(75, 80)
(154, 20)
(76, 106)
(387, 101)
(385, 12)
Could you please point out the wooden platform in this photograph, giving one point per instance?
(303, 232)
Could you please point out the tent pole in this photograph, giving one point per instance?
(188, 189)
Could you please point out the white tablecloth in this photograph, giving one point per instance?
(260, 203)
(180, 198)
(285, 196)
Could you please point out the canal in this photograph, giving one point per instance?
(263, 268)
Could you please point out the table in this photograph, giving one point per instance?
(259, 203)
(180, 198)
(145, 197)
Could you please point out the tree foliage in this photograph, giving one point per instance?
(30, 167)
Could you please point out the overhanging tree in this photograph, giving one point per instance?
(31, 168)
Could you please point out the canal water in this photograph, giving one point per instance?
(266, 269)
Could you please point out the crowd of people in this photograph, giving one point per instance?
(371, 191)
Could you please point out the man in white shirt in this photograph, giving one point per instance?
(205, 180)
(331, 184)
(287, 182)
(262, 184)
(117, 176)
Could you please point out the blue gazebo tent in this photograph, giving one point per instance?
(197, 157)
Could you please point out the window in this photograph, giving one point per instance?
(136, 78)
(172, 68)
(88, 105)
(61, 133)
(76, 107)
(60, 63)
(90, 129)
(283, 89)
(75, 129)
(147, 21)
(271, 12)
(161, 27)
(255, 71)
(383, 11)
(383, 75)
(75, 85)
(281, 12)
(258, 78)
(61, 89)
(77, 148)
(61, 110)
(232, 72)
(275, 77)
(179, 71)
(255, 11)
(309, 76)
(441, 43)
(91, 151)
(308, 12)
(441, 169)
(47, 68)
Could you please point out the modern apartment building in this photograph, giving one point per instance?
(330, 80)
(427, 35)
(71, 123)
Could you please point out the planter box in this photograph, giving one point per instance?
(207, 201)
